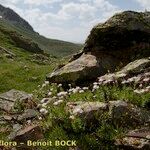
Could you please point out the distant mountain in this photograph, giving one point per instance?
(11, 22)
(13, 18)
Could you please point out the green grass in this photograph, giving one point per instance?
(13, 75)
(102, 134)
(20, 72)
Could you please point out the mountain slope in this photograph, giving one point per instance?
(13, 22)
(13, 18)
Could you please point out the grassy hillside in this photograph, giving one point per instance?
(54, 47)
(21, 71)
(26, 70)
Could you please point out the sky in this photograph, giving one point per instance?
(70, 20)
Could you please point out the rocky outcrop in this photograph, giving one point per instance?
(120, 40)
(133, 69)
(136, 74)
(18, 118)
(125, 33)
(121, 113)
(12, 98)
(84, 68)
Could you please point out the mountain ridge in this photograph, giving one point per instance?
(54, 47)
(12, 17)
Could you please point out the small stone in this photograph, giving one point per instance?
(28, 114)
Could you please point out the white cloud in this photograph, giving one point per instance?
(79, 16)
(9, 2)
(144, 3)
(40, 2)
(69, 20)
(77, 10)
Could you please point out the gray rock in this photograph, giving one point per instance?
(136, 66)
(121, 34)
(30, 132)
(125, 114)
(138, 139)
(86, 110)
(85, 67)
(16, 127)
(8, 99)
(125, 37)
(133, 72)
(28, 114)
(120, 112)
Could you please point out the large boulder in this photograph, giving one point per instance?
(120, 40)
(86, 67)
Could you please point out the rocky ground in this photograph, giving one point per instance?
(101, 98)
(21, 114)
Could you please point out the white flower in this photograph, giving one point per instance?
(141, 91)
(59, 85)
(58, 102)
(40, 118)
(54, 97)
(110, 80)
(95, 87)
(146, 79)
(70, 90)
(101, 79)
(69, 85)
(95, 83)
(81, 91)
(131, 79)
(61, 97)
(44, 105)
(75, 91)
(147, 74)
(44, 100)
(47, 82)
(94, 96)
(125, 81)
(85, 88)
(141, 85)
(49, 93)
(72, 117)
(43, 85)
(62, 94)
(78, 88)
(51, 89)
(29, 121)
(43, 111)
